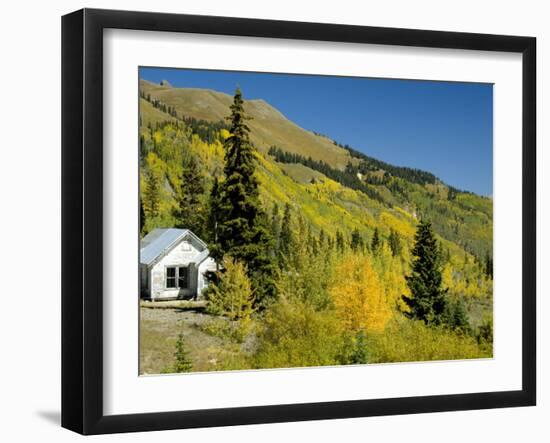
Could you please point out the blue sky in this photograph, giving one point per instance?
(442, 127)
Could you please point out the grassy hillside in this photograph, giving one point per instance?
(463, 220)
(268, 126)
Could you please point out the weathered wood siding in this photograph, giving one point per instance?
(179, 256)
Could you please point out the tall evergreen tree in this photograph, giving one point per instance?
(141, 216)
(455, 316)
(151, 195)
(243, 229)
(322, 238)
(360, 353)
(340, 244)
(356, 240)
(214, 217)
(286, 238)
(190, 212)
(375, 242)
(428, 297)
(330, 243)
(394, 242)
(312, 246)
(488, 268)
(276, 229)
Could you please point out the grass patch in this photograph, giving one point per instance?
(407, 341)
(174, 304)
(208, 351)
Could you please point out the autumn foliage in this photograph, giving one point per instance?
(353, 275)
(358, 296)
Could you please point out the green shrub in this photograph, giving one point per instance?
(297, 335)
(407, 340)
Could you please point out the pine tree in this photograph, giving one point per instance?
(312, 246)
(286, 238)
(340, 245)
(151, 194)
(190, 211)
(488, 266)
(141, 216)
(322, 239)
(356, 241)
(330, 242)
(276, 229)
(456, 316)
(243, 228)
(394, 242)
(183, 362)
(375, 242)
(360, 355)
(428, 297)
(214, 217)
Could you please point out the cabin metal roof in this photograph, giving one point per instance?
(159, 241)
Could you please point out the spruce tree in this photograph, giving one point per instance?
(214, 217)
(456, 317)
(276, 229)
(360, 355)
(141, 216)
(394, 242)
(322, 239)
(488, 268)
(151, 194)
(286, 239)
(375, 242)
(190, 212)
(243, 228)
(428, 297)
(356, 241)
(312, 246)
(183, 362)
(330, 243)
(340, 245)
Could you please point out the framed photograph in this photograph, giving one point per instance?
(269, 221)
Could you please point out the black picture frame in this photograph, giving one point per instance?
(82, 215)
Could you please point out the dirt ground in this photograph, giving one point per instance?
(159, 330)
(160, 326)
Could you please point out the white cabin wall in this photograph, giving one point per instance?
(208, 265)
(176, 257)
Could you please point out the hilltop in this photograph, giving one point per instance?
(268, 126)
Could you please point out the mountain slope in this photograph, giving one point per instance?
(268, 126)
(462, 218)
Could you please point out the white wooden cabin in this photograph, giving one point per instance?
(172, 264)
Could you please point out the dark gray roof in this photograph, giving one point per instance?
(160, 241)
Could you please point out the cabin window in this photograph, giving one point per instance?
(171, 277)
(177, 277)
(186, 246)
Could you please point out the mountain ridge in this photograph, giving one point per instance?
(213, 106)
(305, 156)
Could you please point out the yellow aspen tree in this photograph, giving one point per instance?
(359, 299)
